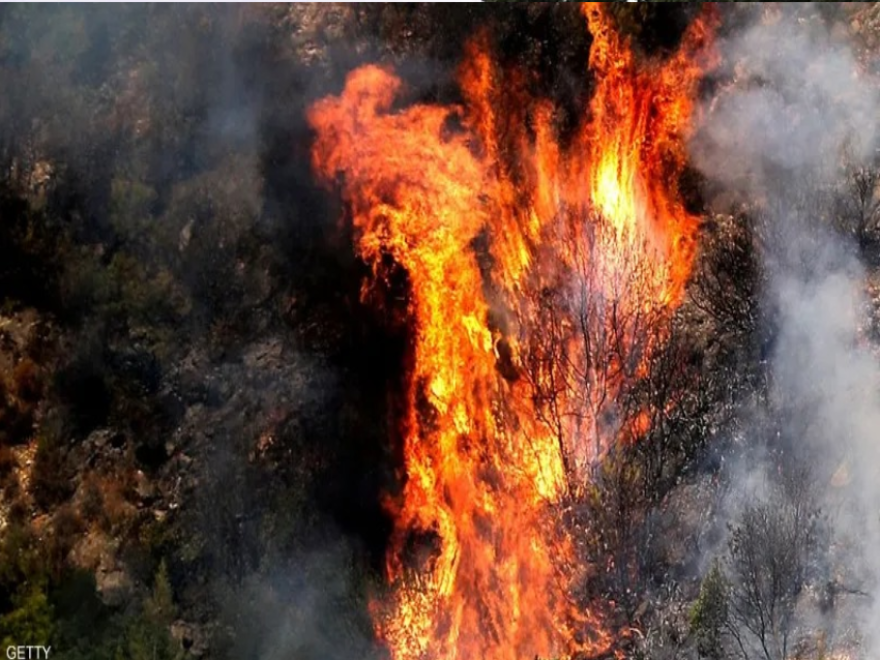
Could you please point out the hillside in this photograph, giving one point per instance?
(235, 415)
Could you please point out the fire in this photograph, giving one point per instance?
(481, 564)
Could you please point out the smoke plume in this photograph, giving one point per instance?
(794, 106)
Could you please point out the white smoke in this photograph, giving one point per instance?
(794, 103)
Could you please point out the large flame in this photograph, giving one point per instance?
(482, 235)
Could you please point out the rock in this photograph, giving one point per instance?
(115, 587)
(266, 355)
(144, 488)
(98, 552)
(193, 638)
(313, 27)
(99, 439)
(185, 235)
(92, 552)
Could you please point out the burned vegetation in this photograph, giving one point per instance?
(417, 332)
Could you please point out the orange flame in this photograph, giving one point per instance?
(479, 235)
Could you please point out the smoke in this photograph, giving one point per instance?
(310, 609)
(797, 100)
(792, 106)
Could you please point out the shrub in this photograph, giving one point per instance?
(50, 477)
(708, 617)
(148, 636)
(92, 503)
(30, 622)
(7, 463)
(160, 606)
(66, 528)
(16, 421)
(25, 613)
(28, 385)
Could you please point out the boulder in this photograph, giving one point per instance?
(193, 638)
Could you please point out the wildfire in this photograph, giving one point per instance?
(482, 236)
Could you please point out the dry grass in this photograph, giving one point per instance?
(104, 502)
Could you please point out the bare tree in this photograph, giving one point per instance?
(856, 211)
(598, 327)
(729, 278)
(677, 399)
(615, 379)
(770, 551)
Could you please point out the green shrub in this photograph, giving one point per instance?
(25, 611)
(708, 617)
(160, 605)
(31, 620)
(147, 636)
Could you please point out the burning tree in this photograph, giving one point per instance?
(616, 380)
(541, 278)
(593, 349)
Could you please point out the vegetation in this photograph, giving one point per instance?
(709, 614)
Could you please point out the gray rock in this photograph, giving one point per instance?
(115, 587)
(144, 488)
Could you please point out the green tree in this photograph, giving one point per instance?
(31, 622)
(148, 635)
(709, 615)
(160, 606)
